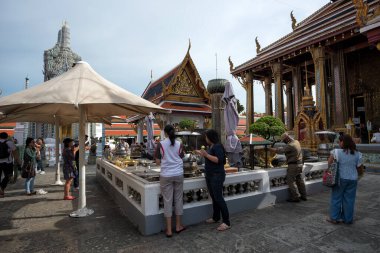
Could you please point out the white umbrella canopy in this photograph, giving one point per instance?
(231, 119)
(81, 85)
(150, 129)
(79, 94)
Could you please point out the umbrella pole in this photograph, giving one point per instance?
(83, 211)
(57, 163)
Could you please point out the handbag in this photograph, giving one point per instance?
(27, 170)
(330, 176)
(360, 170)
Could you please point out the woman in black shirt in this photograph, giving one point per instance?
(215, 175)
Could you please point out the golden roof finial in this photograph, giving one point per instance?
(294, 21)
(231, 63)
(258, 46)
(188, 50)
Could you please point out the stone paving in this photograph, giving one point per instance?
(41, 224)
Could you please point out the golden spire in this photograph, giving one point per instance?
(307, 88)
(258, 46)
(188, 50)
(307, 99)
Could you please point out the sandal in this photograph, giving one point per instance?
(179, 231)
(69, 198)
(223, 227)
(210, 220)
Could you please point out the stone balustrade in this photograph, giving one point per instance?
(143, 203)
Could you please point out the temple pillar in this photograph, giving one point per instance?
(318, 54)
(268, 95)
(340, 93)
(279, 98)
(297, 89)
(216, 89)
(289, 106)
(248, 83)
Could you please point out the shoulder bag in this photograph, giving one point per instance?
(330, 176)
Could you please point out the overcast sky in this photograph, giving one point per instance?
(123, 39)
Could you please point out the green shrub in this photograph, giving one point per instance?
(187, 124)
(267, 127)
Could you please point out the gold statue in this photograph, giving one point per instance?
(231, 63)
(294, 21)
(258, 46)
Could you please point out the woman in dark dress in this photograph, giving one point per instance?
(215, 176)
(69, 166)
(29, 166)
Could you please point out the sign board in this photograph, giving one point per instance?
(360, 108)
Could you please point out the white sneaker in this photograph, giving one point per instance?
(42, 192)
(42, 173)
(38, 171)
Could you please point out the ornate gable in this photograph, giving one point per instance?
(187, 85)
(183, 84)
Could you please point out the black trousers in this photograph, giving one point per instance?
(215, 187)
(7, 169)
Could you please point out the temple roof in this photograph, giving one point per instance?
(182, 83)
(331, 20)
(154, 88)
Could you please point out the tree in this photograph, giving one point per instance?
(187, 124)
(240, 107)
(267, 127)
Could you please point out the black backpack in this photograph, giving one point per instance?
(4, 153)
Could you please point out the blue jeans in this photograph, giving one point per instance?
(29, 185)
(343, 200)
(215, 187)
(40, 165)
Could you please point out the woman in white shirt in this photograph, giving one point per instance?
(169, 153)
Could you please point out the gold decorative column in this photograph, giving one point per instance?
(268, 95)
(289, 105)
(318, 54)
(340, 92)
(279, 98)
(297, 89)
(248, 83)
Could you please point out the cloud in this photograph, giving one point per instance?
(124, 40)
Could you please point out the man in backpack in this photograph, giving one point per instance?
(7, 154)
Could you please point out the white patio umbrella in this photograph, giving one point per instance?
(79, 94)
(231, 121)
(150, 130)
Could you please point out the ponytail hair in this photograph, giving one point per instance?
(169, 130)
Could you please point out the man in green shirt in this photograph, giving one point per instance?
(294, 176)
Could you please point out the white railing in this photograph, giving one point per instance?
(146, 196)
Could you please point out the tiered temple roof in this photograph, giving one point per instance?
(181, 89)
(333, 23)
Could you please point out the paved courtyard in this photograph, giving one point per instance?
(41, 224)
